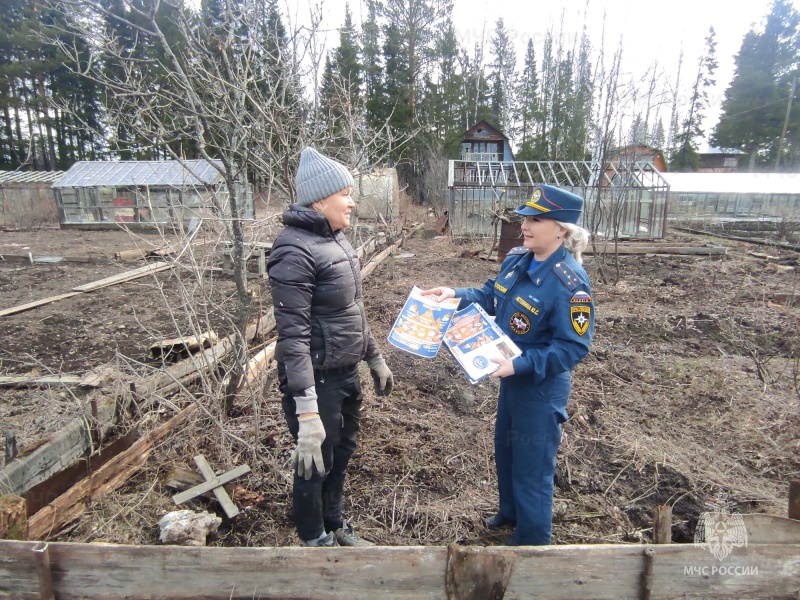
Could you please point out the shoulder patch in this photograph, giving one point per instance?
(517, 250)
(580, 297)
(567, 276)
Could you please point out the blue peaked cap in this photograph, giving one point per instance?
(550, 202)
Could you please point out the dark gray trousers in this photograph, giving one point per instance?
(317, 502)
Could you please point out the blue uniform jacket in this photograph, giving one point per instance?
(547, 312)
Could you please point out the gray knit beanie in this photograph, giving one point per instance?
(319, 177)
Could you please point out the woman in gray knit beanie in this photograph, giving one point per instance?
(323, 335)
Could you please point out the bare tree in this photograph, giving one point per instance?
(227, 91)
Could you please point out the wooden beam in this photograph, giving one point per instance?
(63, 449)
(114, 473)
(44, 380)
(44, 493)
(602, 572)
(183, 346)
(23, 307)
(124, 277)
(658, 249)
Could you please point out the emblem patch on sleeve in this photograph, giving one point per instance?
(581, 298)
(520, 323)
(580, 316)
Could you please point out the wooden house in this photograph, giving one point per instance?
(482, 142)
(641, 157)
(719, 160)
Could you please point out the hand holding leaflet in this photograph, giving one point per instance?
(420, 326)
(474, 339)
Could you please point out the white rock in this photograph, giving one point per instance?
(187, 528)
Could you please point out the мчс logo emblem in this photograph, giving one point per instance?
(720, 531)
(520, 323)
(580, 316)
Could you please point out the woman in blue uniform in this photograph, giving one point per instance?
(542, 300)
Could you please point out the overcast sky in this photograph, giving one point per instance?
(649, 32)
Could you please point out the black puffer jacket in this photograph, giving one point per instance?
(315, 278)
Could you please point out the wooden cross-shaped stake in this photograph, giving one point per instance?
(213, 483)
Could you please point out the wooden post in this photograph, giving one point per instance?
(647, 576)
(662, 525)
(41, 556)
(13, 518)
(794, 499)
(11, 446)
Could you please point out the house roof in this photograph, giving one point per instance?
(722, 151)
(30, 176)
(733, 183)
(153, 173)
(472, 130)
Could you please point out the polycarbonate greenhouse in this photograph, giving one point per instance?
(145, 192)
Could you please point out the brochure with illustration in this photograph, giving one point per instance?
(475, 339)
(420, 326)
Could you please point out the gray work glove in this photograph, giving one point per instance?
(381, 376)
(308, 453)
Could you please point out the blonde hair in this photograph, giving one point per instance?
(575, 240)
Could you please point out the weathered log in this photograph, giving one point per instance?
(13, 518)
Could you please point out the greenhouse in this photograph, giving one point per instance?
(145, 192)
(697, 199)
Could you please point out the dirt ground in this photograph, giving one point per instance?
(689, 395)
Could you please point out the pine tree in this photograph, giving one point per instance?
(755, 103)
(371, 58)
(685, 158)
(530, 115)
(502, 79)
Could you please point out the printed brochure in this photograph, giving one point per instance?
(420, 326)
(471, 335)
(475, 339)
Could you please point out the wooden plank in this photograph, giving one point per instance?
(27, 381)
(23, 307)
(602, 572)
(44, 493)
(72, 503)
(222, 496)
(55, 454)
(183, 346)
(124, 277)
(659, 249)
(208, 485)
(256, 366)
(767, 529)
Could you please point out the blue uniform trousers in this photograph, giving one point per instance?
(527, 436)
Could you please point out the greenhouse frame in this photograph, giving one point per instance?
(622, 199)
(131, 193)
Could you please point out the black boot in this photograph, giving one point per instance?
(498, 521)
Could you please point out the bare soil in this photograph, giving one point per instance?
(689, 395)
